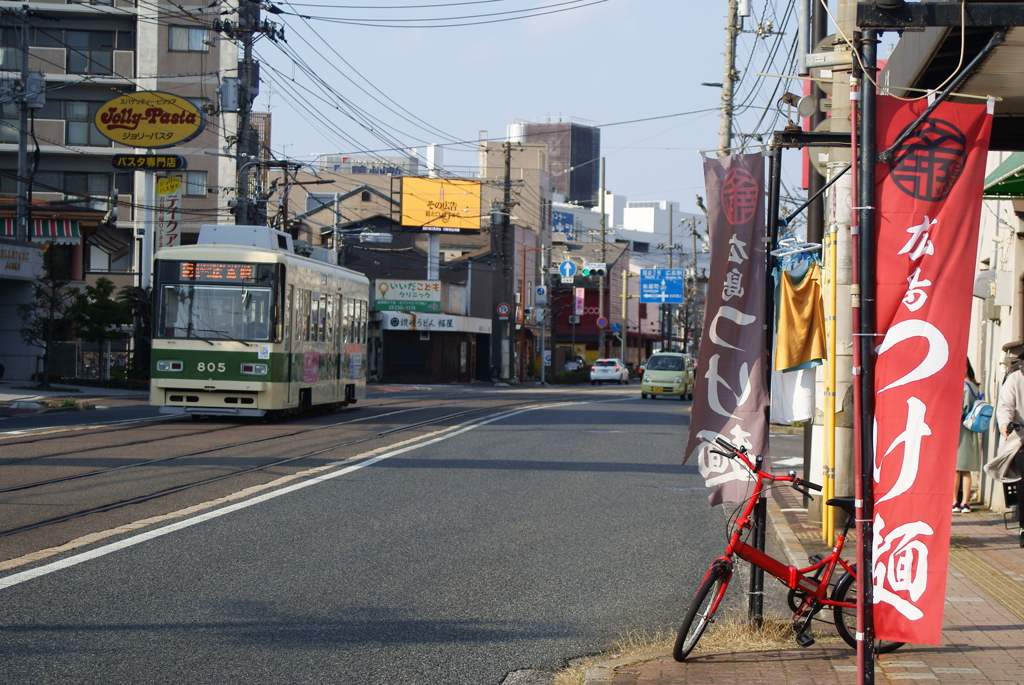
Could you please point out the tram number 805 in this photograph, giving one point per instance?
(211, 367)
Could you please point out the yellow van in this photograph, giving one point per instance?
(667, 373)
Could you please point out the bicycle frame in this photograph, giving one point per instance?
(801, 579)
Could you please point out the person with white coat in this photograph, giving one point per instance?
(1010, 409)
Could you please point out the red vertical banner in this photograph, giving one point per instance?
(928, 200)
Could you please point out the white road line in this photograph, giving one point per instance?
(46, 569)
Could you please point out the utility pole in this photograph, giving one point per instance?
(732, 29)
(21, 231)
(507, 255)
(604, 260)
(248, 21)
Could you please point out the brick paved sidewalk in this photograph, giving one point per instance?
(983, 630)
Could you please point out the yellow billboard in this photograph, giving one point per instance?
(440, 205)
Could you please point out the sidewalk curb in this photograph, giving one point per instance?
(604, 672)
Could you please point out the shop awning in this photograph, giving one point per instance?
(60, 231)
(1006, 182)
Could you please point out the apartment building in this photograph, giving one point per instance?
(88, 53)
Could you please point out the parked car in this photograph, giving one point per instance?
(609, 371)
(667, 373)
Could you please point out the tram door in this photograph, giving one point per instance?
(290, 323)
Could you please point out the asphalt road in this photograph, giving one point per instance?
(522, 543)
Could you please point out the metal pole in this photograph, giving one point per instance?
(761, 510)
(520, 370)
(864, 494)
(600, 280)
(148, 229)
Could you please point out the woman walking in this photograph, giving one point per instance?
(968, 451)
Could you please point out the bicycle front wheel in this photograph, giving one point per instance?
(846, 618)
(702, 610)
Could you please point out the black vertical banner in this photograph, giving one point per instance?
(730, 395)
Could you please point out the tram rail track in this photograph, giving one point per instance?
(108, 506)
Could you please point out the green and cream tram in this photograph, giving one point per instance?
(242, 325)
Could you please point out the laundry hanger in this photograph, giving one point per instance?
(791, 246)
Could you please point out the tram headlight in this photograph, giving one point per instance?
(169, 365)
(254, 369)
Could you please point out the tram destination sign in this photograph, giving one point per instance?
(149, 162)
(217, 271)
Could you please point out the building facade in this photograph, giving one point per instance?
(85, 55)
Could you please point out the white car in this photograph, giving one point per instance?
(609, 371)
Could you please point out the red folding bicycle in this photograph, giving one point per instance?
(809, 587)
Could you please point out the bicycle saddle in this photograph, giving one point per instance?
(844, 503)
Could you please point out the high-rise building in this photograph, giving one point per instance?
(574, 154)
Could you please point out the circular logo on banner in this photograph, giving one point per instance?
(395, 321)
(503, 309)
(739, 196)
(601, 322)
(930, 160)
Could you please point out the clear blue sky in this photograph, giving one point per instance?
(607, 62)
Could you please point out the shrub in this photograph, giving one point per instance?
(571, 377)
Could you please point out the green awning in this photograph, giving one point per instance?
(60, 231)
(1006, 182)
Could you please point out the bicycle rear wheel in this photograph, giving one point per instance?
(702, 609)
(846, 618)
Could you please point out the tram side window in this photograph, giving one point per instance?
(302, 310)
(329, 317)
(346, 317)
(318, 318)
(362, 322)
(352, 321)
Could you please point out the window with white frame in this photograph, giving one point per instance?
(188, 39)
(195, 182)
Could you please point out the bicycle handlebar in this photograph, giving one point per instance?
(799, 484)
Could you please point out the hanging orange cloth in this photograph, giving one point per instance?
(800, 336)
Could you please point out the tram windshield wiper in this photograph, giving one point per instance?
(189, 333)
(225, 335)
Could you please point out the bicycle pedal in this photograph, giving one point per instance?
(804, 639)
(815, 558)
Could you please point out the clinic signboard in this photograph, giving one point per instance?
(407, 296)
(150, 119)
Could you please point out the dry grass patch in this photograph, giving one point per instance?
(632, 644)
(730, 633)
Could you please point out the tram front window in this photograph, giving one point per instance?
(216, 311)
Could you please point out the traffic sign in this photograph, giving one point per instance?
(504, 309)
(568, 281)
(547, 359)
(664, 286)
(567, 269)
(616, 327)
(601, 322)
(540, 295)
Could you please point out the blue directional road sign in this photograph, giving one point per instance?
(567, 269)
(661, 285)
